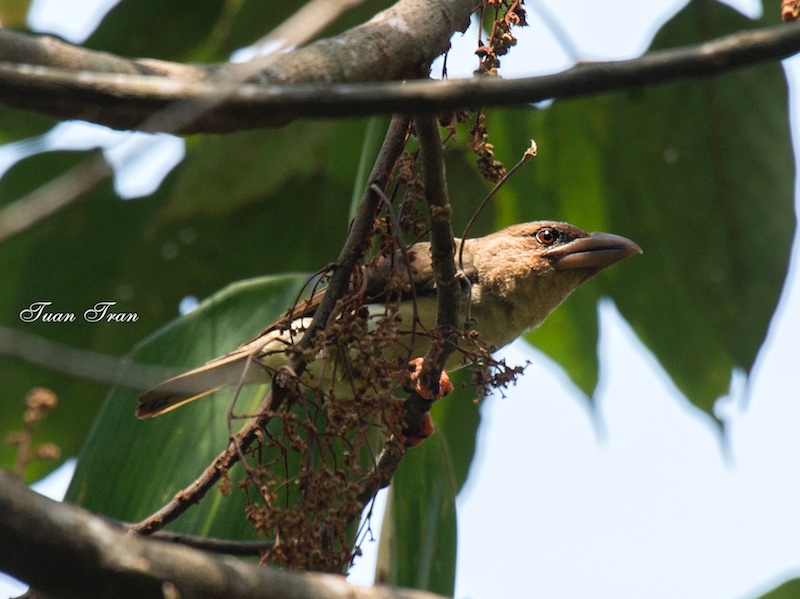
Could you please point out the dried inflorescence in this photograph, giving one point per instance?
(490, 168)
(316, 464)
(315, 456)
(307, 474)
(507, 14)
(39, 402)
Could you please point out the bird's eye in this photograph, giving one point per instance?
(547, 236)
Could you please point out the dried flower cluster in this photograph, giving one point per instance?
(306, 475)
(490, 168)
(507, 14)
(39, 402)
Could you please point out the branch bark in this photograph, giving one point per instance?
(90, 557)
(65, 81)
(444, 268)
(125, 100)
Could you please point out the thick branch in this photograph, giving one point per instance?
(50, 76)
(68, 552)
(398, 43)
(125, 101)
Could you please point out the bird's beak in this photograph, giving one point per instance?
(594, 252)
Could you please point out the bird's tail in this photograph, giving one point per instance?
(226, 371)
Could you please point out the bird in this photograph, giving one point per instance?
(510, 281)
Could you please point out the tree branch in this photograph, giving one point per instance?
(53, 195)
(214, 545)
(442, 255)
(62, 80)
(89, 557)
(356, 243)
(44, 74)
(125, 101)
(444, 268)
(82, 363)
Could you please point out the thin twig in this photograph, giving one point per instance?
(354, 247)
(526, 155)
(53, 196)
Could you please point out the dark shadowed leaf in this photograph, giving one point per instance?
(18, 125)
(174, 30)
(222, 174)
(37, 268)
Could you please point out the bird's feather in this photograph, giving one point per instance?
(511, 280)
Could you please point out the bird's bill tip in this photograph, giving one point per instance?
(594, 252)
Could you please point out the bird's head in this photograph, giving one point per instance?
(533, 267)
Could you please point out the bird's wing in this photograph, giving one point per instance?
(413, 279)
(210, 377)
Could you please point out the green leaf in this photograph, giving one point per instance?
(20, 125)
(457, 420)
(419, 532)
(700, 174)
(221, 174)
(155, 29)
(418, 537)
(788, 590)
(105, 249)
(13, 13)
(130, 468)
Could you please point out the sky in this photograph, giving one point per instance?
(640, 497)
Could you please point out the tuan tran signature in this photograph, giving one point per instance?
(100, 312)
